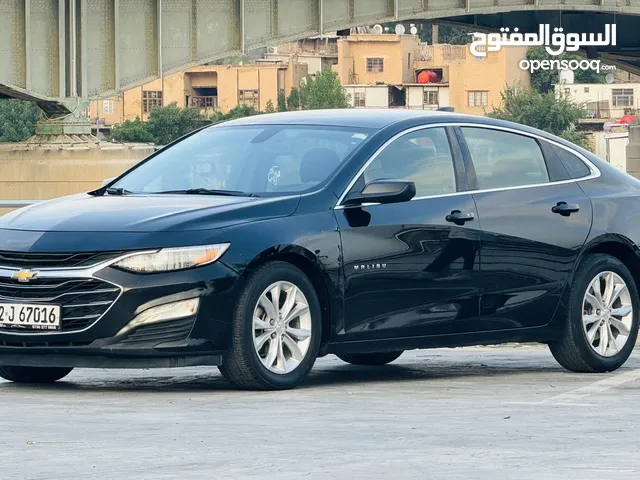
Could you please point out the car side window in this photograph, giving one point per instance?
(575, 166)
(423, 157)
(503, 159)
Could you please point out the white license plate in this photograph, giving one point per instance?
(35, 317)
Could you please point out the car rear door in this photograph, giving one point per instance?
(411, 268)
(534, 217)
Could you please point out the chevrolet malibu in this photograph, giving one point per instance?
(260, 244)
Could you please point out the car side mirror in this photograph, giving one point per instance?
(383, 191)
(106, 181)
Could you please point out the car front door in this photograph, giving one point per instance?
(411, 268)
(535, 220)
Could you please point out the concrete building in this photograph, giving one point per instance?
(603, 100)
(316, 53)
(211, 88)
(377, 70)
(381, 70)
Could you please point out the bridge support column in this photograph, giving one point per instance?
(633, 151)
(72, 127)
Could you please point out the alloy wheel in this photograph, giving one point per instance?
(607, 313)
(282, 327)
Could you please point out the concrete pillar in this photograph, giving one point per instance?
(633, 151)
(60, 127)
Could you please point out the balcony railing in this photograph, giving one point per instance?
(209, 103)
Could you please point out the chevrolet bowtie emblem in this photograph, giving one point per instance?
(24, 276)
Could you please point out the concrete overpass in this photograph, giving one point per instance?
(61, 52)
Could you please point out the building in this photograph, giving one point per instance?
(210, 87)
(377, 70)
(316, 53)
(382, 70)
(604, 101)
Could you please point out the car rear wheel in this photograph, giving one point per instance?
(276, 330)
(602, 322)
(378, 358)
(33, 374)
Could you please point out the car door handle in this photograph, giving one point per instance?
(565, 209)
(459, 218)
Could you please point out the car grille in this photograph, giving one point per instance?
(83, 300)
(54, 260)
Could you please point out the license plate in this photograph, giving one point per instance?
(35, 317)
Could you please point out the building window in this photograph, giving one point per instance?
(478, 98)
(107, 107)
(375, 65)
(151, 99)
(430, 97)
(359, 99)
(249, 98)
(586, 89)
(622, 97)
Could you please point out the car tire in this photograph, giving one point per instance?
(33, 374)
(250, 363)
(378, 358)
(590, 319)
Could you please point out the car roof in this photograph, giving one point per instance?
(378, 118)
(349, 117)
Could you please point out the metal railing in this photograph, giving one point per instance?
(17, 203)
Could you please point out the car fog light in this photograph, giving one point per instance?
(163, 313)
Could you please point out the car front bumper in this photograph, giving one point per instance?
(110, 342)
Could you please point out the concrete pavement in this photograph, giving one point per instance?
(479, 412)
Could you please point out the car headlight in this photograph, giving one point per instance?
(169, 259)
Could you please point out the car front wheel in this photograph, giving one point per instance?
(602, 322)
(33, 374)
(276, 330)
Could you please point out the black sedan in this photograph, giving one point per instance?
(260, 244)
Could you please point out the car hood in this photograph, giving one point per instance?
(145, 213)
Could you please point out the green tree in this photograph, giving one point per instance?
(131, 131)
(544, 80)
(323, 91)
(270, 108)
(168, 123)
(240, 111)
(282, 101)
(18, 120)
(293, 100)
(545, 111)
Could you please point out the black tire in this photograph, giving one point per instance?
(33, 374)
(241, 364)
(379, 358)
(573, 351)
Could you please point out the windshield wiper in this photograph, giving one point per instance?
(118, 191)
(206, 191)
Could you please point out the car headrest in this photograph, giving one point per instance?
(317, 164)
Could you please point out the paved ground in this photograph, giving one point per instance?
(490, 413)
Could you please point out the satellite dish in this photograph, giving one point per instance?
(377, 29)
(414, 30)
(400, 29)
(610, 78)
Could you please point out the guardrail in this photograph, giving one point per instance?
(16, 203)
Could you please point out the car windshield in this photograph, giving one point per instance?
(257, 159)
